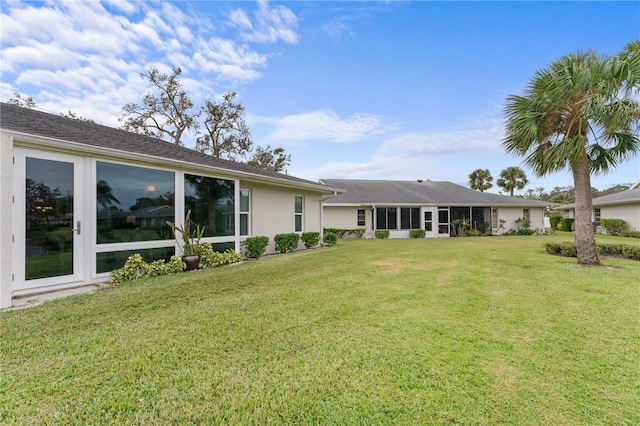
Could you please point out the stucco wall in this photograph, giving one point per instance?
(6, 219)
(273, 211)
(345, 217)
(511, 214)
(630, 213)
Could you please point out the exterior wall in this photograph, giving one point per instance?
(511, 214)
(346, 217)
(273, 211)
(6, 219)
(630, 213)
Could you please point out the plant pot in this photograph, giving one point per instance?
(192, 261)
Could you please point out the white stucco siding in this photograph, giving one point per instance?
(511, 214)
(630, 213)
(6, 219)
(341, 217)
(273, 211)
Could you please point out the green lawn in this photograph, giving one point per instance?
(483, 331)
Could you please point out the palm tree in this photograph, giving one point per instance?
(580, 113)
(480, 179)
(512, 178)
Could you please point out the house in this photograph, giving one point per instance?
(78, 198)
(400, 206)
(623, 205)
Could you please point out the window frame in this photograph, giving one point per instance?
(298, 214)
(361, 217)
(242, 213)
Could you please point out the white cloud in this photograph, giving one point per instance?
(272, 24)
(323, 125)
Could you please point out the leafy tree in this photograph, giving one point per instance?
(581, 113)
(165, 114)
(18, 100)
(480, 179)
(77, 117)
(270, 159)
(226, 133)
(512, 178)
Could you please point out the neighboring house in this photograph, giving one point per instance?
(78, 198)
(400, 206)
(623, 205)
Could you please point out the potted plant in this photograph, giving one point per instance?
(189, 241)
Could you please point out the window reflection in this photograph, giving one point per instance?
(133, 203)
(212, 204)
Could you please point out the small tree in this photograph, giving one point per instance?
(270, 159)
(226, 134)
(480, 180)
(166, 113)
(512, 178)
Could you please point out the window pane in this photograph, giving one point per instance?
(108, 261)
(298, 204)
(361, 217)
(298, 223)
(211, 202)
(405, 218)
(244, 224)
(428, 215)
(415, 218)
(381, 218)
(133, 203)
(222, 247)
(428, 226)
(244, 200)
(392, 218)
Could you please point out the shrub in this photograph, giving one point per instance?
(613, 226)
(382, 233)
(554, 220)
(526, 231)
(256, 246)
(631, 252)
(330, 239)
(341, 232)
(569, 249)
(310, 239)
(417, 233)
(553, 248)
(565, 224)
(135, 267)
(610, 249)
(286, 242)
(210, 258)
(473, 233)
(631, 234)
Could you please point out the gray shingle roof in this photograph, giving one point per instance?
(418, 193)
(622, 197)
(38, 123)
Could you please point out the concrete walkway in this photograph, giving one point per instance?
(21, 302)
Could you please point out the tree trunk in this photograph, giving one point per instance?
(584, 235)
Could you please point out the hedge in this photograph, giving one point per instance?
(286, 242)
(569, 249)
(256, 246)
(382, 233)
(613, 226)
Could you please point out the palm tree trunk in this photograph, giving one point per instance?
(584, 235)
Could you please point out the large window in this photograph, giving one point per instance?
(244, 211)
(299, 201)
(133, 203)
(410, 218)
(108, 261)
(361, 217)
(494, 218)
(386, 218)
(211, 202)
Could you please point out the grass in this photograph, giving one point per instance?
(461, 331)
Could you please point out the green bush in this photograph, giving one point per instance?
(610, 249)
(565, 224)
(472, 233)
(613, 226)
(554, 220)
(310, 239)
(382, 233)
(286, 242)
(631, 252)
(526, 231)
(341, 232)
(330, 239)
(553, 248)
(631, 234)
(569, 249)
(417, 233)
(256, 246)
(209, 258)
(135, 267)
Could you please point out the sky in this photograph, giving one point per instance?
(395, 90)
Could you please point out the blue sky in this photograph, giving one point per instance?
(362, 90)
